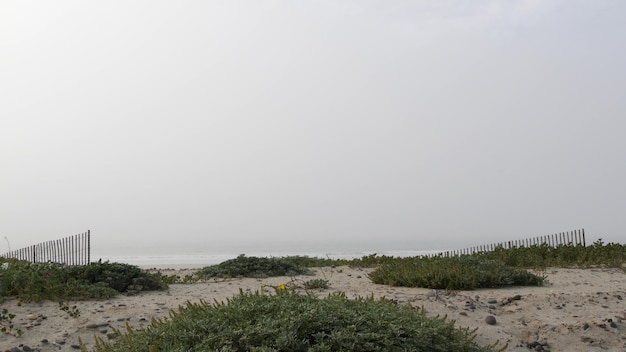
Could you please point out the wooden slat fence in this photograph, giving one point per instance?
(72, 250)
(575, 237)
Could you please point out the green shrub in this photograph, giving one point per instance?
(50, 281)
(370, 261)
(257, 267)
(541, 256)
(452, 273)
(123, 278)
(313, 262)
(288, 321)
(316, 284)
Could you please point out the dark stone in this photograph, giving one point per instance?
(613, 325)
(75, 346)
(26, 348)
(585, 326)
(490, 319)
(44, 341)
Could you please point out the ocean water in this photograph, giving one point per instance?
(199, 260)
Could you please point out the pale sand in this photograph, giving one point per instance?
(569, 313)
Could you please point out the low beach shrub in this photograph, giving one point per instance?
(451, 273)
(289, 321)
(542, 256)
(314, 262)
(316, 284)
(257, 267)
(49, 281)
(123, 278)
(370, 261)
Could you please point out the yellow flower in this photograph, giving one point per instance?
(281, 287)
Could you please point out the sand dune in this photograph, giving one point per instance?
(576, 310)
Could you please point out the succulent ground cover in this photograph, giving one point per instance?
(452, 273)
(49, 281)
(258, 267)
(290, 321)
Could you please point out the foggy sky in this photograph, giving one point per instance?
(329, 124)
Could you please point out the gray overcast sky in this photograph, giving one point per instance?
(332, 124)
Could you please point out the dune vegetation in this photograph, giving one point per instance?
(289, 320)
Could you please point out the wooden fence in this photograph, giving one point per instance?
(73, 250)
(575, 237)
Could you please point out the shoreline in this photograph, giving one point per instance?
(570, 312)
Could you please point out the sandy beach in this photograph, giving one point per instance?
(576, 310)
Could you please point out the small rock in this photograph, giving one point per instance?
(492, 301)
(26, 348)
(31, 317)
(75, 346)
(490, 319)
